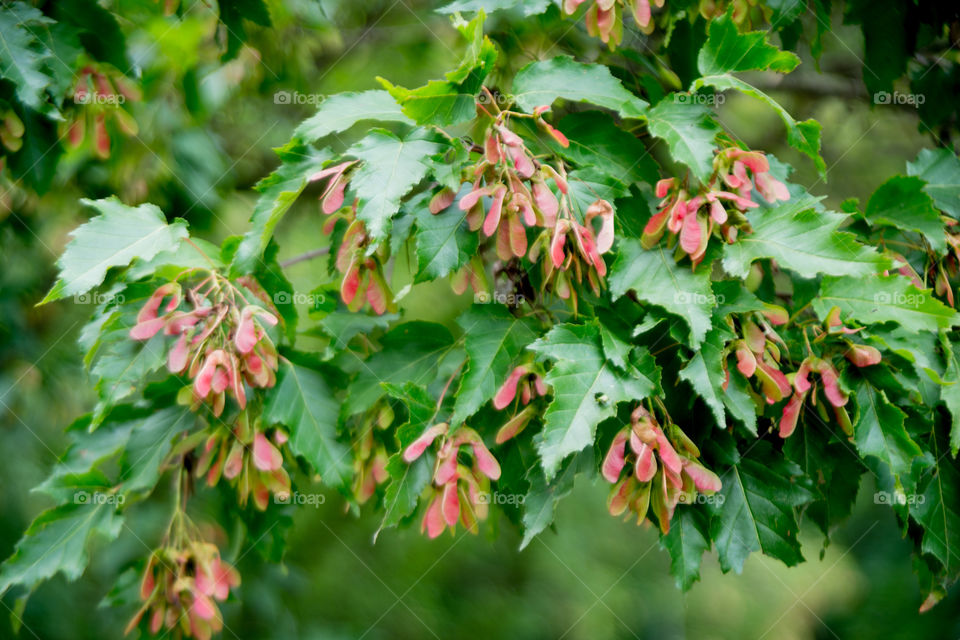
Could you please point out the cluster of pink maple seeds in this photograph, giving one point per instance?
(718, 207)
(677, 478)
(220, 339)
(605, 17)
(759, 351)
(363, 280)
(180, 589)
(247, 457)
(832, 340)
(458, 493)
(528, 380)
(511, 193)
(369, 454)
(98, 94)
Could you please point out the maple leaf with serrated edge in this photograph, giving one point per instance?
(586, 389)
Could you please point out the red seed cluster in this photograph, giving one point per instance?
(180, 589)
(605, 17)
(98, 94)
(220, 339)
(718, 207)
(678, 477)
(458, 493)
(363, 280)
(247, 457)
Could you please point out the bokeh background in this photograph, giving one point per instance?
(206, 133)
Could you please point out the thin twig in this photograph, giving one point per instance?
(303, 257)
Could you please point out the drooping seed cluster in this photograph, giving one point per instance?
(511, 193)
(363, 280)
(828, 378)
(247, 457)
(98, 95)
(180, 589)
(528, 379)
(678, 477)
(605, 17)
(220, 339)
(369, 454)
(719, 206)
(458, 493)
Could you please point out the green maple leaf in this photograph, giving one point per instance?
(341, 111)
(391, 167)
(545, 81)
(303, 402)
(758, 509)
(689, 131)
(657, 279)
(586, 389)
(494, 338)
(803, 239)
(112, 239)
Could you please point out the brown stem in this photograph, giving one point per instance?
(303, 257)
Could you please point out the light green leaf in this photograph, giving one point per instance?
(304, 403)
(112, 239)
(727, 51)
(57, 542)
(689, 131)
(704, 372)
(545, 81)
(802, 239)
(658, 280)
(341, 111)
(530, 7)
(494, 338)
(23, 58)
(391, 167)
(878, 299)
(451, 101)
(803, 136)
